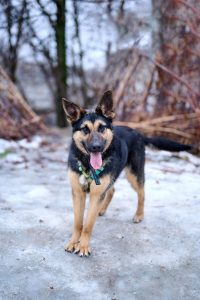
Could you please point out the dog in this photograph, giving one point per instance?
(98, 153)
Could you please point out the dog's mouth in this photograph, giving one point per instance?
(96, 160)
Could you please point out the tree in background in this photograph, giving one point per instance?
(80, 69)
(58, 61)
(13, 20)
(18, 27)
(178, 61)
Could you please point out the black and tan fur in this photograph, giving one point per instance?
(121, 148)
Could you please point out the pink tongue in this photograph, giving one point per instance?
(96, 160)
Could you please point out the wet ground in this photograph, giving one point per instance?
(156, 259)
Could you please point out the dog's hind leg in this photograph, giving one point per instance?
(106, 201)
(79, 205)
(139, 215)
(139, 188)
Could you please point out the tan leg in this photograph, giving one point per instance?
(79, 205)
(139, 215)
(139, 188)
(106, 201)
(96, 195)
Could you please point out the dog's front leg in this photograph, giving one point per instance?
(79, 205)
(97, 194)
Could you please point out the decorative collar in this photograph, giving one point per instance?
(91, 175)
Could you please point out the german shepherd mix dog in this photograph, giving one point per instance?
(99, 152)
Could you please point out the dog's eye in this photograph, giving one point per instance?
(85, 130)
(101, 128)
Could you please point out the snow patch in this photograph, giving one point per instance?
(34, 143)
(39, 192)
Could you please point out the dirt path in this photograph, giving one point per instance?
(157, 259)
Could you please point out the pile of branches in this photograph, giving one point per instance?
(179, 63)
(160, 94)
(183, 127)
(17, 120)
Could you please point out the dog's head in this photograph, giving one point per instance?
(92, 132)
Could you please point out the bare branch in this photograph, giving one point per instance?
(45, 13)
(194, 9)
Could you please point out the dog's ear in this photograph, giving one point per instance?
(73, 111)
(105, 106)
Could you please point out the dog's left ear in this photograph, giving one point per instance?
(105, 106)
(73, 111)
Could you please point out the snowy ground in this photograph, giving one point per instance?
(157, 259)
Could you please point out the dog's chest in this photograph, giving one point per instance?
(85, 183)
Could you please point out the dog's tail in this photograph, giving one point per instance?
(166, 144)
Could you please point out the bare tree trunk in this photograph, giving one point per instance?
(81, 68)
(158, 42)
(59, 73)
(61, 49)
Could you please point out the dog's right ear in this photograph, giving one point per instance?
(73, 111)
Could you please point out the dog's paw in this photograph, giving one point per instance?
(102, 212)
(70, 247)
(82, 250)
(138, 218)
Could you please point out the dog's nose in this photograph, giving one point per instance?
(96, 147)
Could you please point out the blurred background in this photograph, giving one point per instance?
(146, 51)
